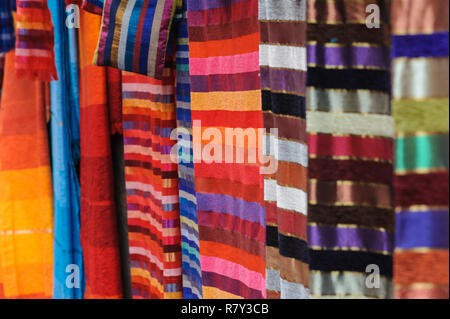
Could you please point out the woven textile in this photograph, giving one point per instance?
(93, 6)
(351, 216)
(225, 94)
(420, 51)
(99, 232)
(7, 34)
(149, 116)
(35, 57)
(192, 280)
(283, 81)
(65, 148)
(26, 210)
(125, 41)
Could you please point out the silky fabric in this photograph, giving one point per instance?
(350, 130)
(283, 83)
(99, 232)
(420, 52)
(65, 150)
(26, 210)
(134, 35)
(93, 6)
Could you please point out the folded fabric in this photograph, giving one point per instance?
(134, 35)
(35, 58)
(7, 36)
(93, 6)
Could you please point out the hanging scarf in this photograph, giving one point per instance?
(283, 78)
(350, 213)
(125, 41)
(420, 51)
(65, 139)
(26, 203)
(7, 34)
(35, 56)
(225, 85)
(99, 234)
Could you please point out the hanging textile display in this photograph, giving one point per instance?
(26, 210)
(149, 117)
(420, 51)
(99, 233)
(283, 81)
(192, 280)
(226, 95)
(35, 57)
(65, 150)
(123, 44)
(7, 33)
(351, 216)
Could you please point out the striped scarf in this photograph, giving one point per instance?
(351, 215)
(35, 57)
(225, 94)
(7, 34)
(123, 44)
(421, 109)
(283, 79)
(26, 200)
(149, 117)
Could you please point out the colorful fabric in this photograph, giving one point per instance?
(114, 91)
(351, 215)
(283, 81)
(99, 232)
(420, 51)
(35, 57)
(149, 117)
(225, 95)
(126, 41)
(93, 6)
(65, 148)
(7, 34)
(26, 210)
(192, 280)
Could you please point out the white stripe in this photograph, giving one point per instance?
(286, 151)
(286, 197)
(148, 88)
(356, 124)
(294, 10)
(283, 56)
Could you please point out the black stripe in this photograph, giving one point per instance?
(330, 260)
(349, 79)
(284, 104)
(293, 247)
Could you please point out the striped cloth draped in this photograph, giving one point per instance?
(283, 81)
(420, 51)
(351, 215)
(149, 116)
(7, 34)
(35, 57)
(125, 41)
(225, 94)
(192, 280)
(65, 141)
(26, 211)
(99, 232)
